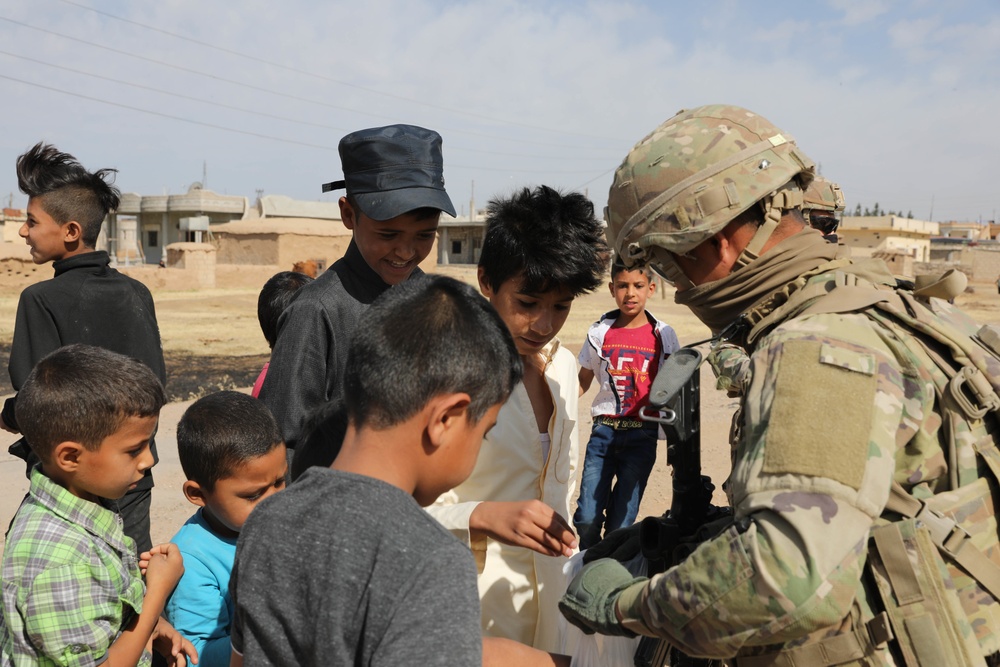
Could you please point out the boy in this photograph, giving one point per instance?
(233, 457)
(395, 195)
(86, 301)
(344, 568)
(72, 590)
(626, 348)
(279, 291)
(542, 249)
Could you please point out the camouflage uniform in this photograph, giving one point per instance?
(786, 582)
(731, 366)
(789, 570)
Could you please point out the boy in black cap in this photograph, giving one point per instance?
(395, 195)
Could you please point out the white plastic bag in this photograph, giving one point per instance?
(598, 650)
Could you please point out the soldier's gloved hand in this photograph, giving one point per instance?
(591, 598)
(621, 544)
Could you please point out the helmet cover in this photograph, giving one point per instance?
(694, 174)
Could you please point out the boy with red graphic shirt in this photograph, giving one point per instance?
(626, 348)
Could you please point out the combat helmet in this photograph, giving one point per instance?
(694, 174)
(821, 202)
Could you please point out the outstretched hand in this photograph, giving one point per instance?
(529, 523)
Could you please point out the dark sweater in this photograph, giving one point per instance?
(86, 302)
(314, 333)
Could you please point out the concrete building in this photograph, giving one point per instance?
(969, 231)
(158, 218)
(460, 240)
(867, 235)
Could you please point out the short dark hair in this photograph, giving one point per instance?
(81, 393)
(618, 267)
(66, 190)
(551, 239)
(220, 432)
(279, 291)
(425, 337)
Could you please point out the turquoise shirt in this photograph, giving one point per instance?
(200, 608)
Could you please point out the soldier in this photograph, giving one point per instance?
(822, 562)
(821, 203)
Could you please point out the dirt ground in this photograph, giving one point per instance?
(212, 341)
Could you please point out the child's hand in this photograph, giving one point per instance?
(172, 645)
(145, 556)
(164, 567)
(529, 523)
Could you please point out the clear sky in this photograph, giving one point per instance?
(898, 101)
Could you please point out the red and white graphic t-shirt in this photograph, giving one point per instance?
(633, 359)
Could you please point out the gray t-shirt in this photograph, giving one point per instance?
(342, 569)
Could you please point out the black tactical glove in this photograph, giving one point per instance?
(590, 599)
(621, 544)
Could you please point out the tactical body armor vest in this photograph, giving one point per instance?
(932, 589)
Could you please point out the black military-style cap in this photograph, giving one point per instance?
(392, 170)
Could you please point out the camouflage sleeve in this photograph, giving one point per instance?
(731, 366)
(812, 471)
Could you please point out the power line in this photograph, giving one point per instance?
(322, 77)
(254, 111)
(253, 87)
(261, 135)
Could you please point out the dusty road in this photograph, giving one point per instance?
(212, 341)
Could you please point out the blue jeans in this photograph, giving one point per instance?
(628, 455)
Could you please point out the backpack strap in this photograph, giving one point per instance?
(951, 539)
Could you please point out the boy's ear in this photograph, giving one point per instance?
(446, 413)
(72, 232)
(66, 456)
(194, 493)
(347, 213)
(611, 287)
(484, 284)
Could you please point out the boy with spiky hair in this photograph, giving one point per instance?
(344, 568)
(86, 302)
(233, 458)
(542, 250)
(73, 593)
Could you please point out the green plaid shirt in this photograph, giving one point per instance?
(71, 580)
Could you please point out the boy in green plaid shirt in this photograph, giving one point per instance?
(72, 589)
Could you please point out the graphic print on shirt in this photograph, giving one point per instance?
(633, 359)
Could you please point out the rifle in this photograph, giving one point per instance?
(676, 391)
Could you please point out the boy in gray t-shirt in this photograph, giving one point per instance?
(345, 568)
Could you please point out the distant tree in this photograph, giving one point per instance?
(857, 210)
(875, 210)
(910, 215)
(867, 211)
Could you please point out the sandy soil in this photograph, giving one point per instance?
(212, 341)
